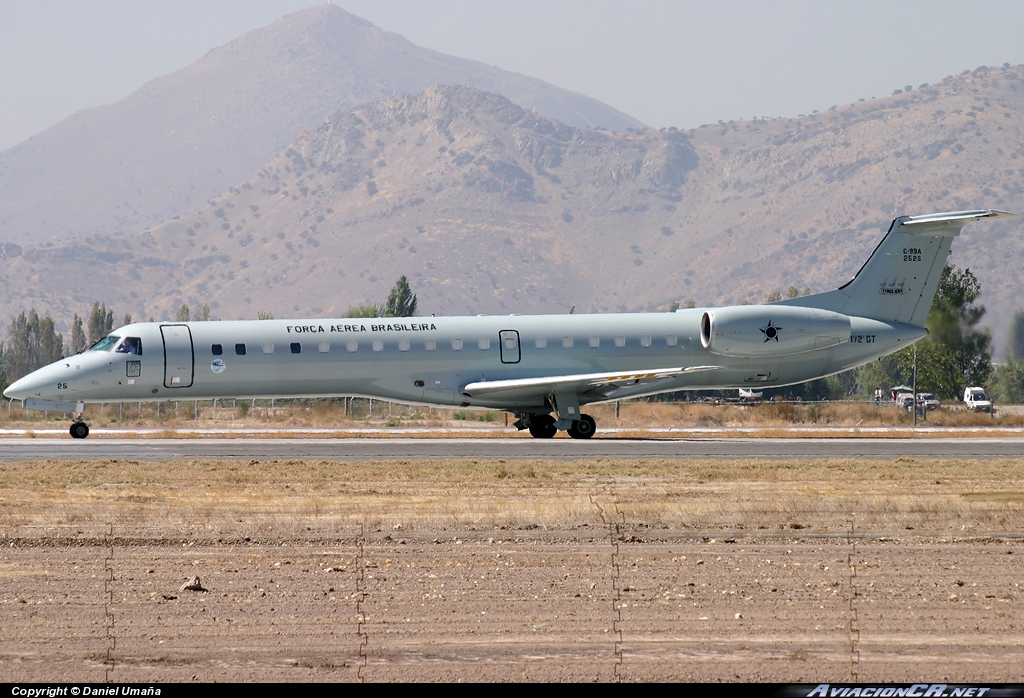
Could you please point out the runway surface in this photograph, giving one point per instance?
(361, 449)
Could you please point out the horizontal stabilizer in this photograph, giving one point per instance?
(932, 223)
(579, 383)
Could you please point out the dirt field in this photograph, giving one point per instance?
(485, 570)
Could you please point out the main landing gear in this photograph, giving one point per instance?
(583, 428)
(544, 426)
(79, 429)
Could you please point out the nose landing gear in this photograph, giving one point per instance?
(79, 430)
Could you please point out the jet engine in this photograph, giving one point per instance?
(771, 330)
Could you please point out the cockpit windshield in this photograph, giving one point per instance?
(105, 344)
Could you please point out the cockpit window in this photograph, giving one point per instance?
(105, 344)
(130, 345)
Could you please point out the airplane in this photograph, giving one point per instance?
(543, 369)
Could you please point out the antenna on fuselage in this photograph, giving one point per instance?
(572, 310)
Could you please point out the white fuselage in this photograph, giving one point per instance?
(430, 360)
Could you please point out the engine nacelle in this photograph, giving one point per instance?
(771, 330)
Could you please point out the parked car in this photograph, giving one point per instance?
(905, 400)
(929, 401)
(976, 400)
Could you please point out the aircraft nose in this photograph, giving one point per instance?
(32, 385)
(20, 389)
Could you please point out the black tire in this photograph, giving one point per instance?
(79, 430)
(584, 428)
(542, 426)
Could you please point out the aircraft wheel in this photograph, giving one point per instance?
(584, 428)
(542, 426)
(79, 430)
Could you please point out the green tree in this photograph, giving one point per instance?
(3, 372)
(956, 352)
(78, 342)
(365, 311)
(101, 322)
(183, 314)
(883, 373)
(31, 343)
(1015, 345)
(1007, 384)
(401, 301)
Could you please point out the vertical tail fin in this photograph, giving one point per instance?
(899, 280)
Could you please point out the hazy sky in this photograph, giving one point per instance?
(666, 62)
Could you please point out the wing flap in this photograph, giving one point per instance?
(579, 383)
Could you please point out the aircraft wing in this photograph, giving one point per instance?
(580, 383)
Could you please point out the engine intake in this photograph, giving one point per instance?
(771, 330)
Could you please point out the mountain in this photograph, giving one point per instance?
(188, 136)
(491, 208)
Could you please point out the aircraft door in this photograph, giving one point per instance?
(179, 356)
(509, 341)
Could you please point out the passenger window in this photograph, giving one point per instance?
(296, 348)
(594, 342)
(620, 341)
(268, 347)
(567, 342)
(540, 342)
(378, 345)
(240, 349)
(671, 340)
(645, 340)
(403, 345)
(217, 349)
(130, 345)
(351, 345)
(324, 347)
(484, 343)
(430, 344)
(457, 344)
(510, 343)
